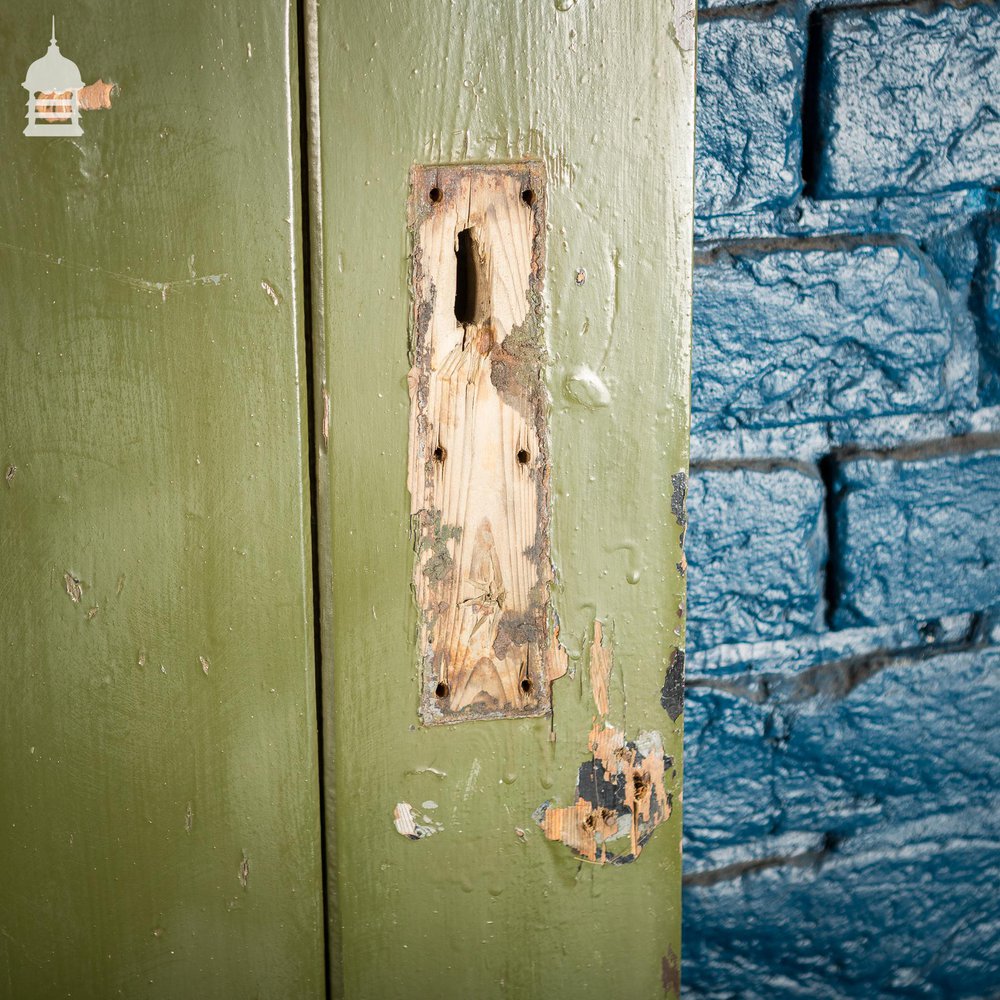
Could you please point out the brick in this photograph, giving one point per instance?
(748, 131)
(803, 335)
(907, 100)
(917, 539)
(756, 544)
(879, 814)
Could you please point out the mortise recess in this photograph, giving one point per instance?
(478, 451)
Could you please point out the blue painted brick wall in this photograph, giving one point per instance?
(749, 149)
(918, 537)
(818, 335)
(908, 100)
(842, 820)
(759, 542)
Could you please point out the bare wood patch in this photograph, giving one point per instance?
(601, 660)
(478, 451)
(621, 795)
(621, 798)
(405, 821)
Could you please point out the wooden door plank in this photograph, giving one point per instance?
(444, 877)
(158, 773)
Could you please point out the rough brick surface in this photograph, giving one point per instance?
(917, 539)
(908, 100)
(756, 545)
(794, 336)
(841, 816)
(749, 141)
(878, 821)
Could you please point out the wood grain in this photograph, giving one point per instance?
(478, 457)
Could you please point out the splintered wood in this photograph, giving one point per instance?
(621, 798)
(621, 793)
(478, 453)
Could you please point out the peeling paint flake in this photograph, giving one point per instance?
(73, 587)
(621, 795)
(620, 798)
(406, 824)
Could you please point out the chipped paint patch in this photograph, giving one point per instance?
(10, 474)
(204, 665)
(620, 798)
(620, 795)
(244, 874)
(601, 662)
(73, 587)
(407, 825)
(672, 693)
(271, 293)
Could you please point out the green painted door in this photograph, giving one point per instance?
(207, 337)
(463, 864)
(159, 815)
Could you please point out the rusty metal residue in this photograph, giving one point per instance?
(670, 974)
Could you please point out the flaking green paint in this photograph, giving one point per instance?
(604, 93)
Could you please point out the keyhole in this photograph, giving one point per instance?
(466, 279)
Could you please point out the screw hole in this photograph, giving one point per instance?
(435, 194)
(442, 689)
(528, 196)
(523, 456)
(439, 454)
(639, 785)
(525, 685)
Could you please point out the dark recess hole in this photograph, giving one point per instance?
(525, 685)
(831, 582)
(528, 196)
(439, 454)
(466, 278)
(523, 456)
(435, 194)
(812, 125)
(442, 689)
